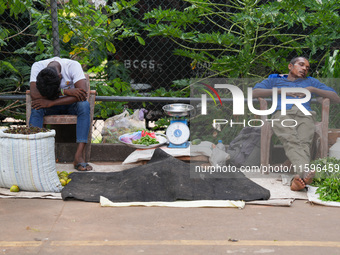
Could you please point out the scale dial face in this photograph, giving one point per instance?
(178, 133)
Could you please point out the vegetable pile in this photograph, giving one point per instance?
(64, 177)
(143, 137)
(147, 139)
(25, 130)
(327, 178)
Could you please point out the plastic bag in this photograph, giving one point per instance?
(128, 138)
(121, 124)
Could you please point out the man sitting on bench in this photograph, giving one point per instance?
(58, 86)
(296, 140)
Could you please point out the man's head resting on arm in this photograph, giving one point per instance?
(48, 81)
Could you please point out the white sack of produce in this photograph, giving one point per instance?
(28, 161)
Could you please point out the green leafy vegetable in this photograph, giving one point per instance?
(146, 140)
(327, 178)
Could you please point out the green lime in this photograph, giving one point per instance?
(14, 188)
(63, 182)
(196, 141)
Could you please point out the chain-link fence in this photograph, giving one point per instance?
(153, 48)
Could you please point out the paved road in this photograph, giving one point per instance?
(45, 226)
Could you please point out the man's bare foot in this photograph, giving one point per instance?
(297, 183)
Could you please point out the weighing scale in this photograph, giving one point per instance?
(178, 132)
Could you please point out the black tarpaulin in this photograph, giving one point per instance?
(164, 178)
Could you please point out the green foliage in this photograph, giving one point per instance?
(14, 71)
(179, 88)
(112, 79)
(162, 123)
(88, 33)
(16, 7)
(115, 69)
(327, 178)
(331, 71)
(247, 38)
(109, 88)
(331, 68)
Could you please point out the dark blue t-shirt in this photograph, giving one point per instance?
(278, 81)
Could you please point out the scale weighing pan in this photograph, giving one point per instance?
(177, 110)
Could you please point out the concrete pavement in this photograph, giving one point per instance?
(45, 226)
